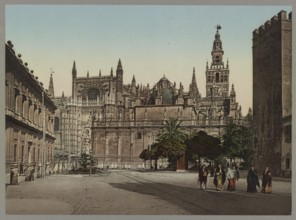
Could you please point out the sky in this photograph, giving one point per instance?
(151, 41)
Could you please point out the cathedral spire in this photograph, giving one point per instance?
(217, 45)
(133, 87)
(74, 71)
(193, 86)
(193, 77)
(50, 88)
(232, 92)
(119, 77)
(74, 77)
(133, 81)
(217, 51)
(119, 66)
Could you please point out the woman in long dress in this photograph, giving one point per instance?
(252, 180)
(266, 181)
(203, 176)
(219, 178)
(230, 175)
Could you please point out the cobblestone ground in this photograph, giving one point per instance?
(139, 193)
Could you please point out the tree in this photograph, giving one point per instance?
(86, 160)
(247, 139)
(231, 141)
(202, 145)
(144, 154)
(157, 151)
(238, 139)
(170, 142)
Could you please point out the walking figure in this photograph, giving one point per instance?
(219, 178)
(266, 181)
(252, 180)
(14, 176)
(230, 175)
(203, 177)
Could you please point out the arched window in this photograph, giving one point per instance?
(217, 59)
(36, 114)
(92, 94)
(16, 100)
(24, 113)
(217, 77)
(56, 124)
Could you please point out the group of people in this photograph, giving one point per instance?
(253, 181)
(233, 175)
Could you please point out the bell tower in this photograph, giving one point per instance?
(217, 76)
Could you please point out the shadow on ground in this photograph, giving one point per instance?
(199, 202)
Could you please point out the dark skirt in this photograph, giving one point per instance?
(251, 187)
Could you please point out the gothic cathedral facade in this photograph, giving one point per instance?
(115, 122)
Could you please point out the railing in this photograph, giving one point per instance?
(159, 123)
(92, 102)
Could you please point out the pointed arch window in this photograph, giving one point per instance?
(92, 94)
(56, 124)
(217, 77)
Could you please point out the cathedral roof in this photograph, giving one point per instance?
(163, 79)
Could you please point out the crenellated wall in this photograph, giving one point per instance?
(272, 62)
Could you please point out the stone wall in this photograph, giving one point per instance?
(271, 89)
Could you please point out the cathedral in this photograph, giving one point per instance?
(114, 121)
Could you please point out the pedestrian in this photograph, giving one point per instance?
(266, 181)
(219, 178)
(203, 177)
(252, 180)
(32, 173)
(14, 176)
(231, 179)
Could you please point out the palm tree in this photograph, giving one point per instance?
(172, 140)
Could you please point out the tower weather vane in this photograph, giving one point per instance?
(218, 27)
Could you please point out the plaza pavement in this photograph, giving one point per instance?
(23, 204)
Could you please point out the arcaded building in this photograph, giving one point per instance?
(272, 94)
(115, 121)
(28, 119)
